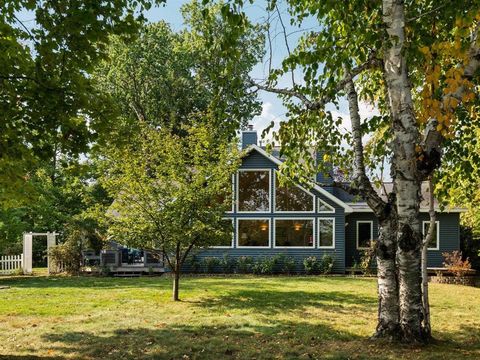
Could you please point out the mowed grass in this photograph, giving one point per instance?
(219, 318)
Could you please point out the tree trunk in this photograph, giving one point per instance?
(176, 280)
(388, 325)
(388, 311)
(176, 274)
(427, 328)
(406, 178)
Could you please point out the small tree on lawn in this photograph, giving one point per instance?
(171, 192)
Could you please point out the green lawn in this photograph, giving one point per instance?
(232, 318)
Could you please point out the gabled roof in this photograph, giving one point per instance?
(387, 187)
(319, 189)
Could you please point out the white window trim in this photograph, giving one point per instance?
(293, 247)
(437, 224)
(232, 210)
(269, 192)
(290, 212)
(333, 232)
(233, 236)
(237, 232)
(371, 232)
(331, 211)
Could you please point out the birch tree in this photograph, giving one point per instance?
(417, 63)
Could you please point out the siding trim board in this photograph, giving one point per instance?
(293, 247)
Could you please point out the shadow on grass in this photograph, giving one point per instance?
(271, 302)
(242, 341)
(281, 340)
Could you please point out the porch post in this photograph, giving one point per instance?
(51, 242)
(27, 253)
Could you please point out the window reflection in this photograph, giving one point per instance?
(254, 191)
(294, 233)
(253, 232)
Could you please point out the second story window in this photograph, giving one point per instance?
(253, 190)
(292, 198)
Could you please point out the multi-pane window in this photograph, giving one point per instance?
(292, 198)
(364, 234)
(434, 243)
(294, 233)
(253, 191)
(326, 236)
(253, 232)
(323, 207)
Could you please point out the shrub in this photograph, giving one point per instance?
(286, 264)
(264, 266)
(455, 264)
(195, 264)
(244, 264)
(211, 264)
(66, 257)
(311, 265)
(326, 264)
(228, 264)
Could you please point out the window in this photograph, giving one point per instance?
(292, 199)
(253, 233)
(326, 233)
(323, 207)
(225, 240)
(364, 234)
(294, 233)
(253, 190)
(435, 243)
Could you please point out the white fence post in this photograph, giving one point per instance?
(10, 263)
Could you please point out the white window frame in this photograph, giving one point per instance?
(371, 232)
(233, 235)
(232, 210)
(331, 211)
(269, 192)
(333, 232)
(294, 247)
(437, 224)
(290, 212)
(237, 232)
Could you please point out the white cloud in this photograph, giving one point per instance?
(262, 121)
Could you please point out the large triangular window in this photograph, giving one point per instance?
(292, 199)
(323, 207)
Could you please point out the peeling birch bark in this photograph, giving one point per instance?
(406, 179)
(388, 310)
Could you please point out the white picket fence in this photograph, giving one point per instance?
(10, 263)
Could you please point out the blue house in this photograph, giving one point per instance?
(269, 219)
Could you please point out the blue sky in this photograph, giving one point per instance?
(273, 110)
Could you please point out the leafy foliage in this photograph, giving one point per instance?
(454, 263)
(46, 93)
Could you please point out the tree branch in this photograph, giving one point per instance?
(322, 101)
(361, 182)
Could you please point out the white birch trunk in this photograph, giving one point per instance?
(388, 310)
(427, 328)
(406, 179)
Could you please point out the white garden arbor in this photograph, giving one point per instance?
(27, 249)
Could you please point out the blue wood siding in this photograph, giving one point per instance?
(257, 161)
(449, 236)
